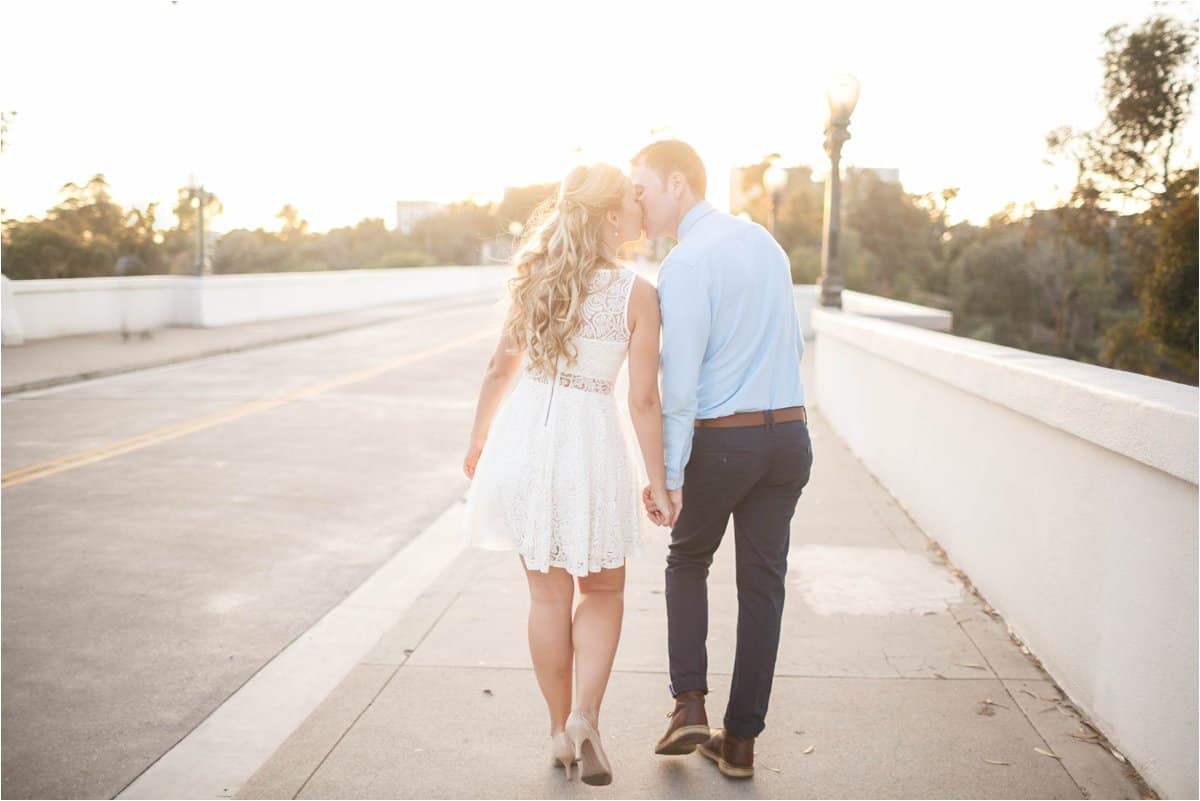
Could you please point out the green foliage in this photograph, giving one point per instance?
(456, 235)
(1168, 290)
(1150, 78)
(992, 290)
(89, 234)
(891, 242)
(519, 202)
(84, 235)
(1149, 83)
(806, 264)
(1126, 347)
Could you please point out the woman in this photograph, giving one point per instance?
(551, 475)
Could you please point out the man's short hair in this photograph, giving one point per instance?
(672, 155)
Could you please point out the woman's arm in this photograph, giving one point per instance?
(645, 406)
(501, 368)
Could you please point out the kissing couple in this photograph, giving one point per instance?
(554, 478)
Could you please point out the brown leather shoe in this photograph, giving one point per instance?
(734, 755)
(688, 727)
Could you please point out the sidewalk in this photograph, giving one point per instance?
(42, 363)
(893, 680)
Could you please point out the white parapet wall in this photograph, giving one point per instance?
(808, 298)
(231, 299)
(44, 308)
(1067, 493)
(53, 307)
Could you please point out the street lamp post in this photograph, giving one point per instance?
(198, 196)
(842, 95)
(774, 180)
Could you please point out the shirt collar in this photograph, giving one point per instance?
(694, 215)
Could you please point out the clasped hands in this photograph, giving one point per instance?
(662, 505)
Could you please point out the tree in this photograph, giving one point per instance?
(293, 226)
(84, 235)
(992, 286)
(1134, 158)
(1168, 291)
(186, 210)
(519, 202)
(1071, 279)
(1149, 81)
(457, 233)
(900, 238)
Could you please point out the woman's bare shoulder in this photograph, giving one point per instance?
(643, 300)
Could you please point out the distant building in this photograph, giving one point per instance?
(410, 212)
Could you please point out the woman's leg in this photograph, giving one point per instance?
(595, 632)
(550, 597)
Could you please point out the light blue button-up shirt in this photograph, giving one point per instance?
(731, 336)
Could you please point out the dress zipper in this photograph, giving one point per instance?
(553, 383)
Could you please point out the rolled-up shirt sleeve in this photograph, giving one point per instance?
(686, 319)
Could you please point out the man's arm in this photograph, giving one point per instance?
(686, 318)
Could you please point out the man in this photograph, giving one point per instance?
(736, 441)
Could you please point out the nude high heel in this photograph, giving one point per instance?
(594, 768)
(562, 752)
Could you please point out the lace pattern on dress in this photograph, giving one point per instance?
(604, 308)
(574, 381)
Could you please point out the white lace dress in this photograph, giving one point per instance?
(557, 480)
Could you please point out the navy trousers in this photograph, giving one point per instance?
(755, 474)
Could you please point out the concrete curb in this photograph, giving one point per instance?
(240, 735)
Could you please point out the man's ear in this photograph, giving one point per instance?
(675, 183)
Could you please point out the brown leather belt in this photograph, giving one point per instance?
(740, 419)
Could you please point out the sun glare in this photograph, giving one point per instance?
(341, 119)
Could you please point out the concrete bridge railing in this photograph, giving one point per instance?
(1067, 493)
(44, 308)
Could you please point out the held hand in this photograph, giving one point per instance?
(663, 503)
(652, 511)
(648, 500)
(658, 505)
(676, 498)
(472, 459)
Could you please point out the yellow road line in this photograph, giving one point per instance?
(176, 430)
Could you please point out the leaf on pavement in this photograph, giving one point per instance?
(996, 762)
(808, 750)
(1044, 752)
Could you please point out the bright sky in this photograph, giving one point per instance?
(342, 108)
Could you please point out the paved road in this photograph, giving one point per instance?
(169, 531)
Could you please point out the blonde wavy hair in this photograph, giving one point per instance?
(560, 253)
